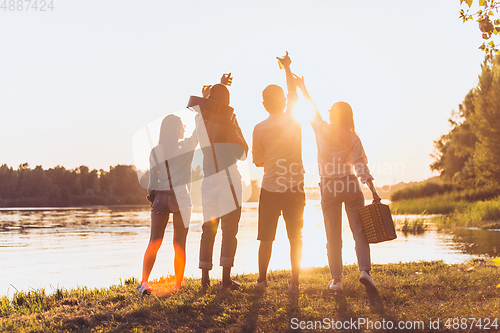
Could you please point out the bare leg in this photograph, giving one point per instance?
(265, 250)
(158, 224)
(295, 259)
(226, 275)
(205, 278)
(229, 227)
(180, 234)
(226, 279)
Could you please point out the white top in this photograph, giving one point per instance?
(179, 159)
(336, 162)
(277, 147)
(222, 143)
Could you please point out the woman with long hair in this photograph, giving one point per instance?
(169, 176)
(340, 154)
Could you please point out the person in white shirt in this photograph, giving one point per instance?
(340, 154)
(223, 144)
(277, 148)
(169, 176)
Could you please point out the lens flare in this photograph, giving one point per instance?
(163, 286)
(179, 264)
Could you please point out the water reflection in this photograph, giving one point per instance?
(477, 241)
(98, 246)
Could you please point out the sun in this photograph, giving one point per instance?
(303, 112)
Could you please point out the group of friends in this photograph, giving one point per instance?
(277, 147)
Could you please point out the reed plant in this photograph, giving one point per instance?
(412, 226)
(480, 214)
(440, 204)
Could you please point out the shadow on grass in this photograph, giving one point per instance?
(293, 310)
(252, 316)
(376, 303)
(343, 307)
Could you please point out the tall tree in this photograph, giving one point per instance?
(455, 149)
(471, 150)
(486, 122)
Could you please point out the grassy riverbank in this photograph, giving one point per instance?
(479, 214)
(407, 292)
(463, 207)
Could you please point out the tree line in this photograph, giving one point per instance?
(469, 155)
(61, 187)
(58, 186)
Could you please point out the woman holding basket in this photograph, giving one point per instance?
(340, 153)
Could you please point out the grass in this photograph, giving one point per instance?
(426, 189)
(414, 291)
(440, 204)
(482, 211)
(429, 189)
(458, 212)
(480, 214)
(415, 227)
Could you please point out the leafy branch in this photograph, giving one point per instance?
(486, 17)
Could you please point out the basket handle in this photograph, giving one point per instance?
(376, 197)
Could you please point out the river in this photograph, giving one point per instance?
(97, 246)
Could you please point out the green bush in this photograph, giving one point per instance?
(483, 211)
(424, 190)
(441, 204)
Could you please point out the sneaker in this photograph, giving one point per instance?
(144, 289)
(367, 281)
(293, 288)
(335, 286)
(261, 284)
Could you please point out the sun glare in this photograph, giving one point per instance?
(163, 286)
(303, 112)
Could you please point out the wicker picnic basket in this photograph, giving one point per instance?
(377, 221)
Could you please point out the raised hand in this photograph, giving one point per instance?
(299, 81)
(206, 91)
(226, 79)
(285, 61)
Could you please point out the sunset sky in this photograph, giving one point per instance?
(78, 82)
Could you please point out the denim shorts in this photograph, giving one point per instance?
(165, 203)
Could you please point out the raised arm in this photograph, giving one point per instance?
(290, 82)
(299, 81)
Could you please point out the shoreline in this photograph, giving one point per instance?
(414, 291)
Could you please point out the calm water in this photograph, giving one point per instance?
(96, 247)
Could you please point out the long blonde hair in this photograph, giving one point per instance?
(341, 125)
